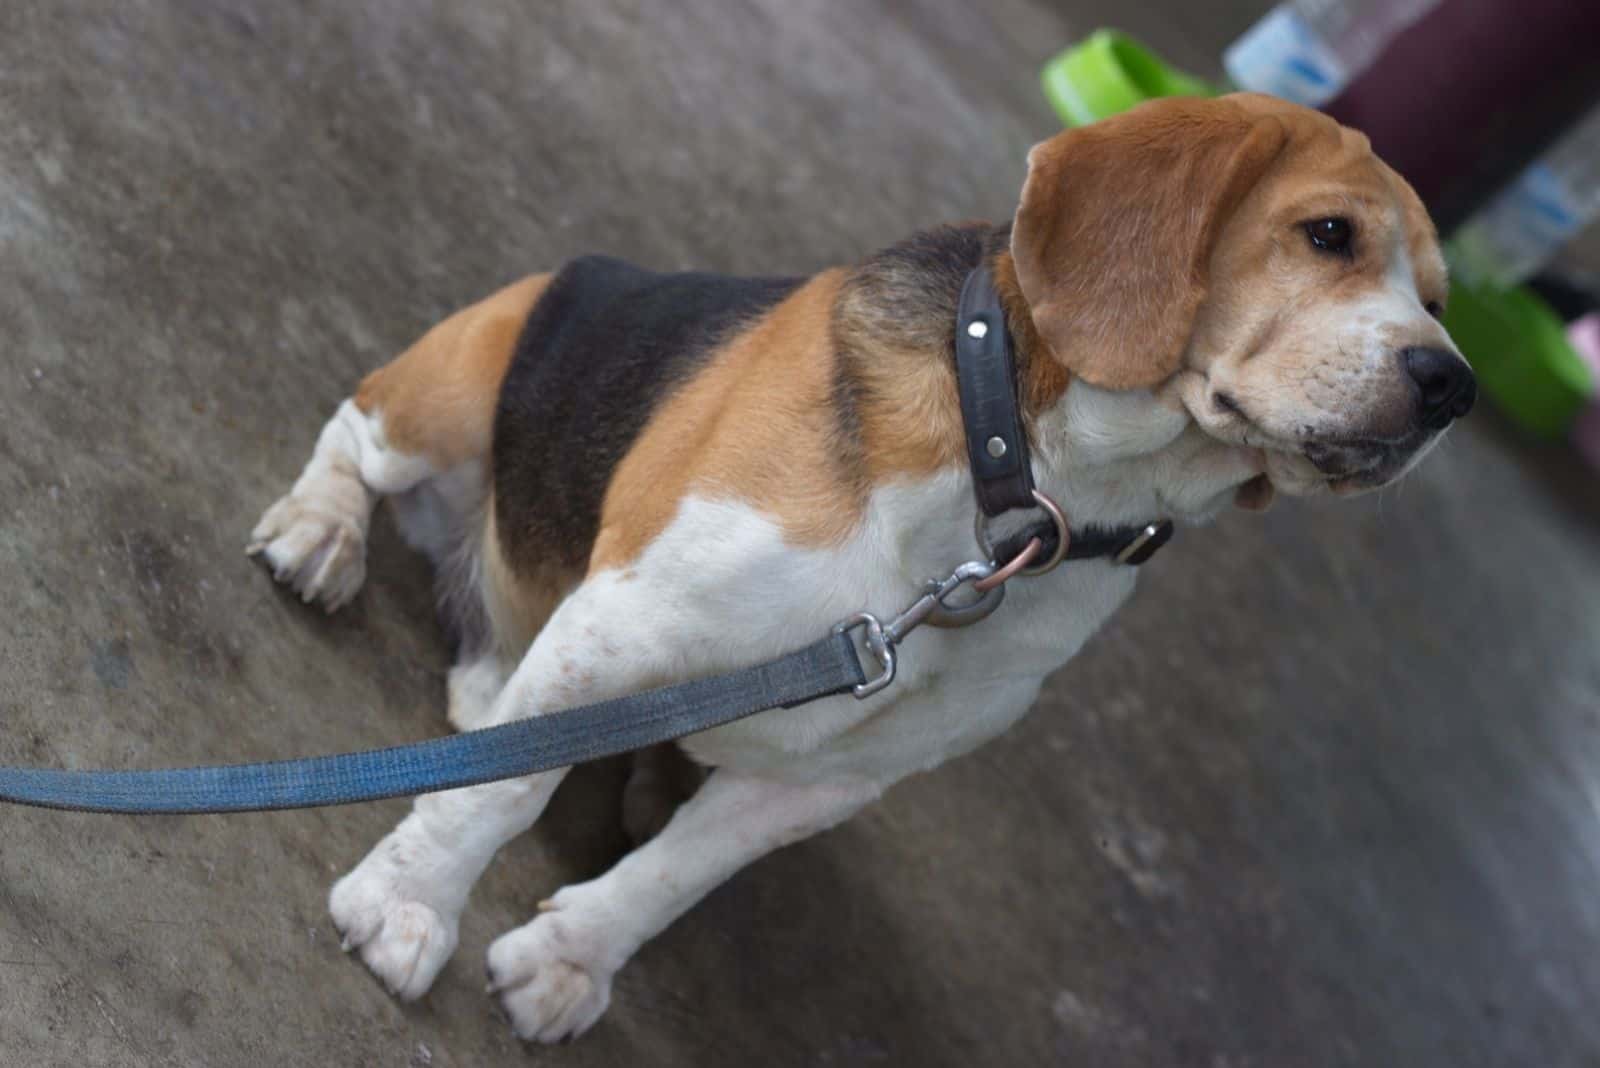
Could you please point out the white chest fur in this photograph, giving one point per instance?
(955, 688)
(1109, 458)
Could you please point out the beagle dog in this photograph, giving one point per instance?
(627, 479)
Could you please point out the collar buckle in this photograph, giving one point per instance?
(1143, 545)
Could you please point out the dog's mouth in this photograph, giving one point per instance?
(1352, 465)
(1345, 459)
(1343, 466)
(1306, 462)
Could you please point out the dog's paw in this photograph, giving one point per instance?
(405, 942)
(553, 983)
(314, 548)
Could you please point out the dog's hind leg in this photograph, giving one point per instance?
(420, 426)
(314, 538)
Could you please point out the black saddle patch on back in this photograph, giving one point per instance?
(606, 344)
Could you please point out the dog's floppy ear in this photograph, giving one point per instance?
(1116, 224)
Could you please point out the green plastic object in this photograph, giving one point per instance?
(1518, 348)
(1109, 72)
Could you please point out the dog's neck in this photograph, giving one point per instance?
(1113, 456)
(1110, 458)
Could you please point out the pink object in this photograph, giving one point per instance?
(1585, 337)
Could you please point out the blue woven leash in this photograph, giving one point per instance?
(522, 747)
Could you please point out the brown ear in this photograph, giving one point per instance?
(1116, 224)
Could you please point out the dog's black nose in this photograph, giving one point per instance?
(1446, 387)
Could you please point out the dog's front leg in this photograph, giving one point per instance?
(400, 907)
(554, 974)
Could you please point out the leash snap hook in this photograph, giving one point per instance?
(990, 593)
(933, 608)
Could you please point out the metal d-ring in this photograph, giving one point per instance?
(980, 529)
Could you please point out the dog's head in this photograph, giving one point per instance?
(1259, 261)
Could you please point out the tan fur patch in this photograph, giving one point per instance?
(438, 399)
(756, 425)
(903, 378)
(1422, 242)
(762, 423)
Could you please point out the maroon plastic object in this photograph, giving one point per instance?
(1469, 95)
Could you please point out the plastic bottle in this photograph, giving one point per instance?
(1307, 51)
(1527, 222)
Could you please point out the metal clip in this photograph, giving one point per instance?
(944, 614)
(932, 608)
(879, 644)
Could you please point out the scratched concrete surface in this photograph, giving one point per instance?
(1326, 794)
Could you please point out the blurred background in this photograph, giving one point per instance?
(1326, 793)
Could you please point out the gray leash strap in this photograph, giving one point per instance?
(522, 747)
(538, 743)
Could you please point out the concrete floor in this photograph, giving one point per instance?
(1326, 794)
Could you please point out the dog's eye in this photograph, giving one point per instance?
(1329, 235)
(1434, 308)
